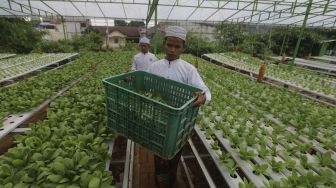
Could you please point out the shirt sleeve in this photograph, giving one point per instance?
(133, 68)
(155, 58)
(196, 80)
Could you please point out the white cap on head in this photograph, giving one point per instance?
(176, 31)
(144, 40)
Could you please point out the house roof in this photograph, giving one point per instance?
(116, 33)
(130, 32)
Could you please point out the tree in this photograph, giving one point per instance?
(90, 40)
(120, 23)
(136, 24)
(199, 46)
(230, 36)
(61, 46)
(256, 44)
(90, 29)
(310, 40)
(18, 36)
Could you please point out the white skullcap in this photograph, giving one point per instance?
(144, 40)
(176, 31)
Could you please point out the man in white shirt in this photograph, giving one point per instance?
(174, 68)
(143, 59)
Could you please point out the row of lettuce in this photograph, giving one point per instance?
(29, 93)
(23, 64)
(68, 148)
(295, 75)
(286, 140)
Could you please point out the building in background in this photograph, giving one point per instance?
(118, 36)
(55, 30)
(74, 28)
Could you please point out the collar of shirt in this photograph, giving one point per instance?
(173, 61)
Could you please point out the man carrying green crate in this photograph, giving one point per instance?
(174, 68)
(143, 59)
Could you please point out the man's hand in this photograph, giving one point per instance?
(200, 100)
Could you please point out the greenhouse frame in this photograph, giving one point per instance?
(287, 12)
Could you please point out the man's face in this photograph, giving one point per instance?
(174, 47)
(144, 47)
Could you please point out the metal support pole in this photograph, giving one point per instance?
(31, 11)
(283, 42)
(65, 37)
(149, 4)
(302, 30)
(152, 8)
(326, 7)
(254, 8)
(155, 31)
(9, 4)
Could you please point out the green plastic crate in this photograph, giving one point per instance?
(157, 126)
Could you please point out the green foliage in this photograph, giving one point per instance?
(120, 23)
(261, 169)
(129, 46)
(198, 45)
(61, 46)
(194, 44)
(136, 24)
(325, 159)
(214, 145)
(310, 39)
(310, 179)
(89, 30)
(256, 43)
(264, 105)
(245, 153)
(230, 36)
(277, 166)
(88, 41)
(29, 93)
(246, 184)
(235, 37)
(131, 23)
(67, 149)
(18, 36)
(157, 43)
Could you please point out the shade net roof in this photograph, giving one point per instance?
(283, 12)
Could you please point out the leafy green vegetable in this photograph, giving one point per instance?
(277, 166)
(326, 160)
(246, 154)
(215, 145)
(261, 169)
(246, 184)
(94, 183)
(70, 143)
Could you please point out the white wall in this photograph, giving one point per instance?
(73, 28)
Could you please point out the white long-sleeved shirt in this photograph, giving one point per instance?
(181, 71)
(141, 61)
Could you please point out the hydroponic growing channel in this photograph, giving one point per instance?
(19, 66)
